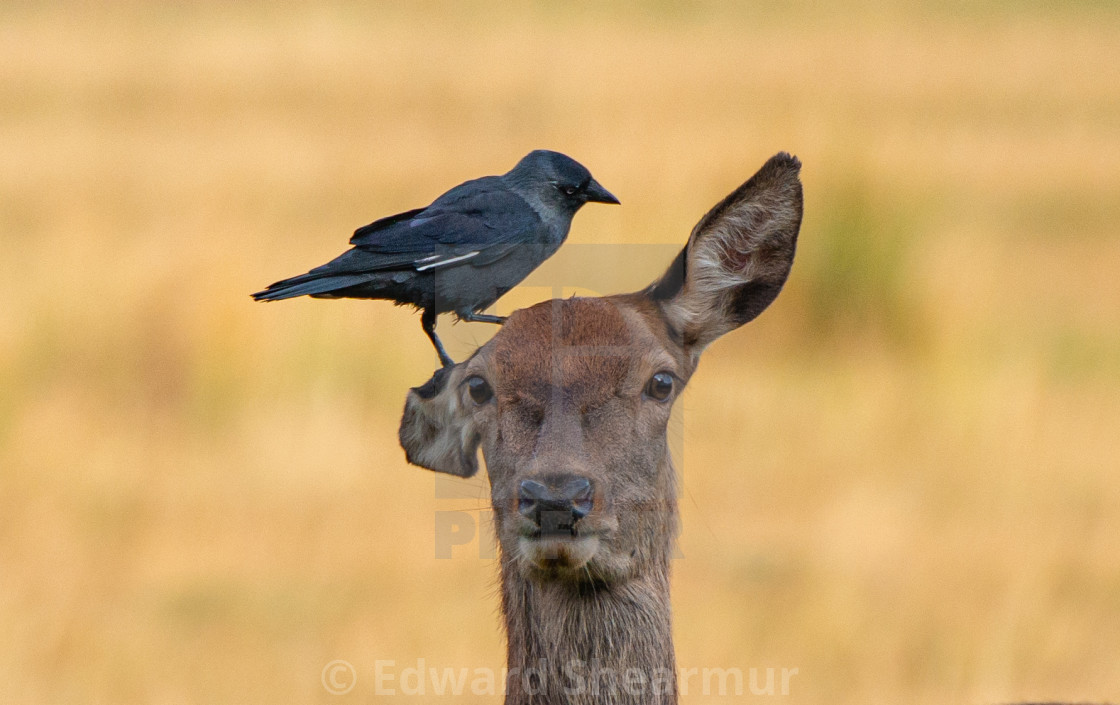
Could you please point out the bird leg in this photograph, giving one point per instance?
(471, 317)
(428, 323)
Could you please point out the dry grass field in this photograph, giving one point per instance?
(902, 480)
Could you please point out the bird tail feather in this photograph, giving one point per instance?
(309, 285)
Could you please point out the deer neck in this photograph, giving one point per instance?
(583, 644)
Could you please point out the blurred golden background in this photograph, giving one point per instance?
(901, 480)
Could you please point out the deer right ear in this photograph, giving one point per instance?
(737, 257)
(437, 432)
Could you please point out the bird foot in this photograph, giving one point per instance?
(483, 318)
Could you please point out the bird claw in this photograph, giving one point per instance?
(482, 318)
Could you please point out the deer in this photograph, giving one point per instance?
(569, 403)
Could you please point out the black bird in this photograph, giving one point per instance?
(464, 251)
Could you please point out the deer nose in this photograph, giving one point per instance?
(556, 506)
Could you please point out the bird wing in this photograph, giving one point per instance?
(368, 231)
(476, 223)
(474, 216)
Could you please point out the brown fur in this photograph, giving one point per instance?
(569, 380)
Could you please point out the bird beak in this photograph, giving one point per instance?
(596, 192)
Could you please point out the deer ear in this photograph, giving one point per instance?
(737, 257)
(437, 432)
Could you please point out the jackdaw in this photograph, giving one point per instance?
(461, 253)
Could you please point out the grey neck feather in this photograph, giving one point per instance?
(546, 202)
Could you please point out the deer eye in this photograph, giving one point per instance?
(660, 386)
(480, 390)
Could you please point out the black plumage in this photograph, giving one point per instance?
(461, 253)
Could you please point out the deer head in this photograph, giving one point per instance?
(570, 401)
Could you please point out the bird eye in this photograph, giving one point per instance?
(570, 190)
(660, 386)
(480, 390)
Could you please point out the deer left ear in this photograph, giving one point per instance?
(436, 431)
(737, 258)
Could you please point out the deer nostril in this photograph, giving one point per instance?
(581, 496)
(581, 509)
(529, 495)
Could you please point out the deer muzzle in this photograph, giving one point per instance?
(557, 504)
